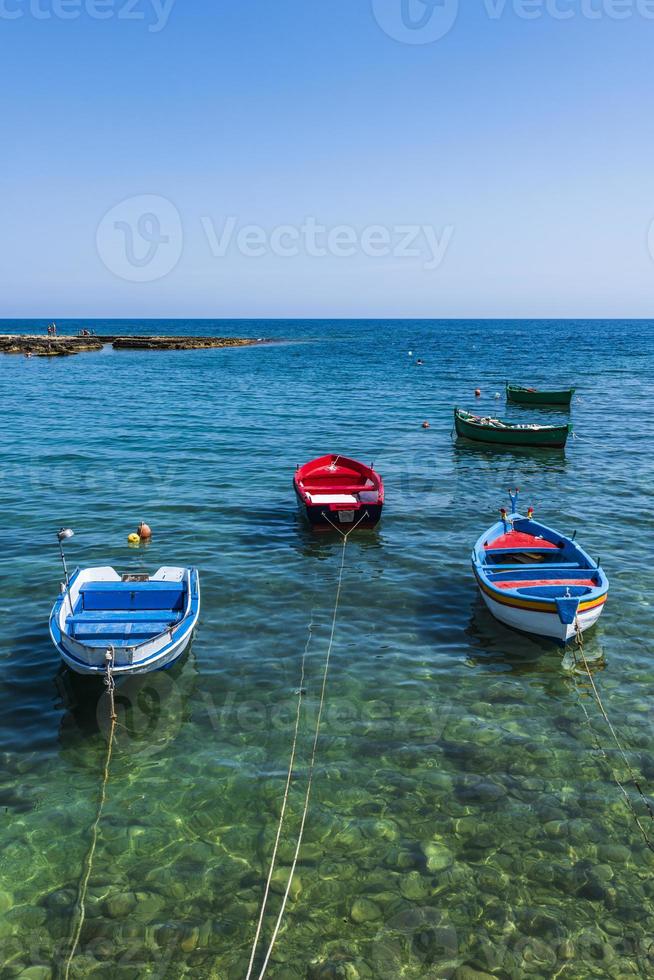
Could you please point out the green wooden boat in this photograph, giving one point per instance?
(536, 396)
(499, 433)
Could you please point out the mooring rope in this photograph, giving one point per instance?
(598, 744)
(289, 779)
(312, 761)
(80, 909)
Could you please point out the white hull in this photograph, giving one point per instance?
(155, 662)
(538, 623)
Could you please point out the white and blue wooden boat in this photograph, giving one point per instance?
(536, 579)
(145, 622)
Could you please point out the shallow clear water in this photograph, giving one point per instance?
(462, 821)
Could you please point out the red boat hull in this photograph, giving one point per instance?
(339, 493)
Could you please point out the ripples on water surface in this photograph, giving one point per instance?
(462, 823)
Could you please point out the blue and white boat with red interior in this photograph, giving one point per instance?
(132, 622)
(536, 579)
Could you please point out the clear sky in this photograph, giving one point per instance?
(342, 158)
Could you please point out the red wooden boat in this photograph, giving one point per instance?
(337, 491)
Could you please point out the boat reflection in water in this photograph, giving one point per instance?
(321, 546)
(494, 645)
(150, 707)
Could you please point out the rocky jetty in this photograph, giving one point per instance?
(44, 346)
(178, 343)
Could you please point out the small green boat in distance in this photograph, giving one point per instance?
(536, 396)
(482, 428)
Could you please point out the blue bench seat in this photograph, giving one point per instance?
(123, 616)
(133, 595)
(123, 633)
(521, 566)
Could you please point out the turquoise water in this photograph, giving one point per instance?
(462, 821)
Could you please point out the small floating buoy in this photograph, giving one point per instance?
(425, 425)
(144, 532)
(133, 538)
(477, 392)
(497, 394)
(410, 353)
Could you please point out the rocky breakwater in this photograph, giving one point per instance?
(43, 346)
(179, 343)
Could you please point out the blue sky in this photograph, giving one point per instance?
(173, 158)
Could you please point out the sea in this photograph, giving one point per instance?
(473, 811)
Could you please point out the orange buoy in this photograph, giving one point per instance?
(477, 392)
(425, 425)
(144, 531)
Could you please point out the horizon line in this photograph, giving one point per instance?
(324, 319)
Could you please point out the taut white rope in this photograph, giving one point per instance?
(289, 779)
(312, 762)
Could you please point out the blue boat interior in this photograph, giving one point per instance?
(125, 613)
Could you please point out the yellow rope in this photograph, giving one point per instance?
(632, 774)
(312, 762)
(80, 909)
